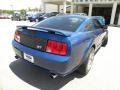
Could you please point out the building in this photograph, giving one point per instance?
(110, 9)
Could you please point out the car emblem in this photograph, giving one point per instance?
(39, 47)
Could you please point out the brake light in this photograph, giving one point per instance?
(17, 36)
(56, 47)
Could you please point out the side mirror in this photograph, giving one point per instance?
(105, 27)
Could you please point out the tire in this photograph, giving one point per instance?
(86, 66)
(30, 20)
(105, 41)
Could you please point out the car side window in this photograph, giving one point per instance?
(97, 25)
(89, 27)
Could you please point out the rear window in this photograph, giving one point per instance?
(66, 23)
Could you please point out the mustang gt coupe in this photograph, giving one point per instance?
(61, 44)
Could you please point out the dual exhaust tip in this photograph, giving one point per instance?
(53, 76)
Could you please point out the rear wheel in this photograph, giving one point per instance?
(86, 66)
(18, 19)
(30, 20)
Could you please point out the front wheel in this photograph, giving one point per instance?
(86, 66)
(105, 41)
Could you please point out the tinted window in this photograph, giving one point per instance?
(89, 26)
(67, 23)
(96, 24)
(54, 13)
(46, 15)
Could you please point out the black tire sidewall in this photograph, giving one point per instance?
(83, 68)
(105, 41)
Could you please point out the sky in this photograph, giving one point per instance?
(19, 4)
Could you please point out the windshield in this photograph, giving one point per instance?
(66, 23)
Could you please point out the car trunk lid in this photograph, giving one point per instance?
(37, 38)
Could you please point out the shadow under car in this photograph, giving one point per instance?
(38, 77)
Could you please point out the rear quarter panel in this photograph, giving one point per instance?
(81, 42)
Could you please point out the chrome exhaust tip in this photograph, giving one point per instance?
(53, 76)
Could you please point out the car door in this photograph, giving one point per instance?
(98, 32)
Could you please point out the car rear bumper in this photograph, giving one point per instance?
(61, 65)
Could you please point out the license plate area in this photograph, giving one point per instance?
(28, 57)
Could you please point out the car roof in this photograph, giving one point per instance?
(97, 17)
(84, 14)
(84, 17)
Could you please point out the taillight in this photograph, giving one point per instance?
(17, 36)
(56, 47)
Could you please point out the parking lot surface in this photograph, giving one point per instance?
(21, 75)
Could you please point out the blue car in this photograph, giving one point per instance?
(61, 44)
(100, 19)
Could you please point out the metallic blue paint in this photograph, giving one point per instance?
(79, 43)
(40, 54)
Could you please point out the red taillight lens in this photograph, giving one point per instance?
(56, 47)
(17, 36)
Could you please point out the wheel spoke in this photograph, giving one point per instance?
(90, 60)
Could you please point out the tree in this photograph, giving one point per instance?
(34, 9)
(6, 11)
(23, 11)
(0, 11)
